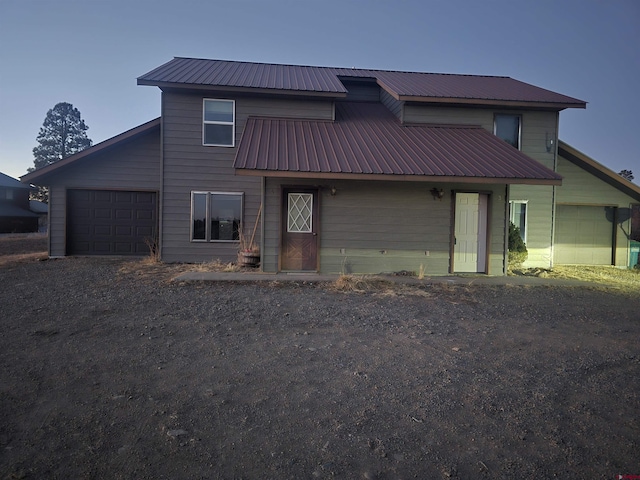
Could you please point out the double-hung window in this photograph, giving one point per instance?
(508, 128)
(216, 216)
(518, 216)
(218, 122)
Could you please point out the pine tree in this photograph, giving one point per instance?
(62, 134)
(628, 174)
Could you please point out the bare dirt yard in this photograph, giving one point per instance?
(108, 369)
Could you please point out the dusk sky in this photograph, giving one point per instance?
(90, 52)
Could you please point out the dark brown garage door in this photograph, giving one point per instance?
(105, 222)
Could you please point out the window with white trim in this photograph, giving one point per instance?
(218, 122)
(216, 216)
(518, 216)
(508, 128)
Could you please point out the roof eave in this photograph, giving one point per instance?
(231, 89)
(489, 102)
(399, 178)
(40, 173)
(592, 166)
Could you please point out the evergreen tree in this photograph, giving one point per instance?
(62, 134)
(628, 174)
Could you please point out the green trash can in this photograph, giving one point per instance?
(635, 253)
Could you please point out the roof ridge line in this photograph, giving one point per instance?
(342, 68)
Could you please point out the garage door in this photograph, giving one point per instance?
(583, 236)
(105, 222)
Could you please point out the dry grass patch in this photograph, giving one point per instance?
(360, 284)
(622, 279)
(151, 268)
(389, 288)
(23, 258)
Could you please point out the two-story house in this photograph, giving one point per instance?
(328, 169)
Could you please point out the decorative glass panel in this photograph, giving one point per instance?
(218, 111)
(300, 213)
(507, 127)
(199, 215)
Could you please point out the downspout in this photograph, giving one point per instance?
(553, 191)
(161, 191)
(505, 263)
(263, 190)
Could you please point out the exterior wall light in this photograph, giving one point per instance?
(437, 194)
(549, 142)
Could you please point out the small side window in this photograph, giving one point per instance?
(218, 123)
(518, 216)
(508, 128)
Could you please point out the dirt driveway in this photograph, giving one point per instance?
(109, 370)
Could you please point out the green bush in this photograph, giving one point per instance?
(516, 244)
(517, 249)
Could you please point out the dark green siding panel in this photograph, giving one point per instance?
(374, 227)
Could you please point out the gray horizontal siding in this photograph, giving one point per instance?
(134, 165)
(189, 166)
(381, 227)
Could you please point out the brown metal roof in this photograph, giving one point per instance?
(409, 86)
(367, 141)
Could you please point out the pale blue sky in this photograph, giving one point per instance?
(90, 52)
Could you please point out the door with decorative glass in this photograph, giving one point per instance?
(299, 250)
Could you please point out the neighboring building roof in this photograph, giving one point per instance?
(36, 206)
(10, 182)
(325, 81)
(10, 210)
(37, 175)
(595, 168)
(368, 142)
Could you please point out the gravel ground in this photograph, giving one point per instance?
(110, 370)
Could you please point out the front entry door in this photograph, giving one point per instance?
(470, 246)
(299, 230)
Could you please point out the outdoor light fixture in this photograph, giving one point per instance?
(549, 142)
(437, 194)
(333, 191)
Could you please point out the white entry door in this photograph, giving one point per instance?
(470, 246)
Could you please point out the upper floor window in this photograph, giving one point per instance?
(218, 118)
(508, 128)
(8, 194)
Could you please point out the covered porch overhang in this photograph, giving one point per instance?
(366, 142)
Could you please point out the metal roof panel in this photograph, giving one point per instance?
(367, 139)
(414, 86)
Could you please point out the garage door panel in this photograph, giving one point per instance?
(584, 236)
(101, 231)
(123, 214)
(103, 222)
(124, 197)
(144, 231)
(145, 197)
(123, 230)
